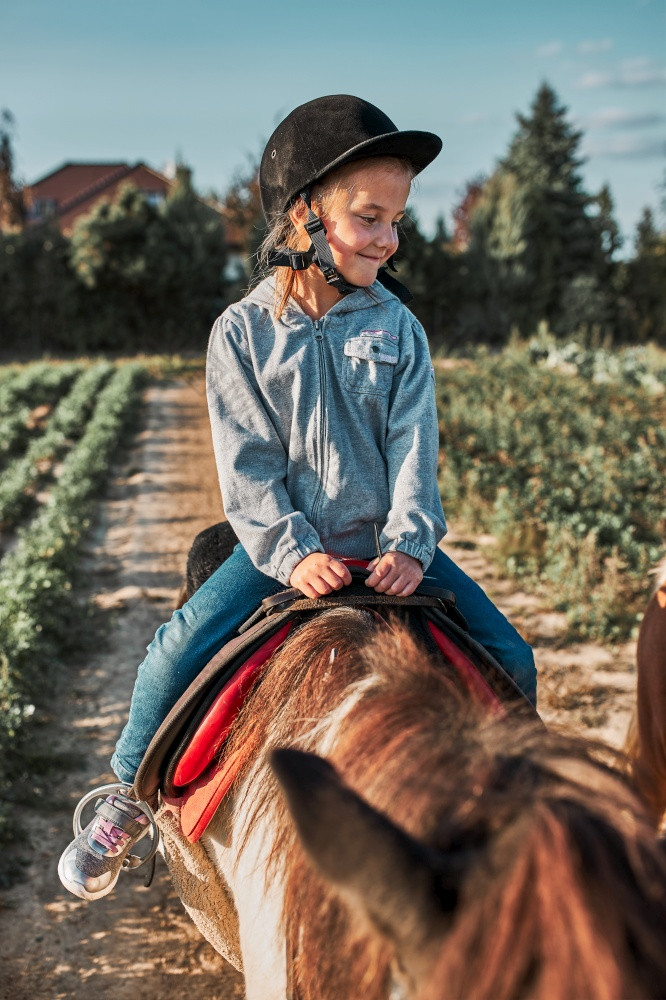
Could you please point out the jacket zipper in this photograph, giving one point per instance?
(323, 423)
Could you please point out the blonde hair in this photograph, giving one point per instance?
(325, 193)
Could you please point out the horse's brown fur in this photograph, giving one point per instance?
(647, 745)
(565, 897)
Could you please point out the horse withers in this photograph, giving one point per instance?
(387, 836)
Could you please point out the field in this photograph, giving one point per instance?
(62, 424)
(94, 548)
(559, 453)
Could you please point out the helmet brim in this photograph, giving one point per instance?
(418, 148)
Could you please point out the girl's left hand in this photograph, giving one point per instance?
(395, 573)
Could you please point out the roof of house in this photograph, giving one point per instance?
(74, 188)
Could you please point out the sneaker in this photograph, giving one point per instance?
(89, 867)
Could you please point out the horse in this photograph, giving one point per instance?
(388, 837)
(646, 744)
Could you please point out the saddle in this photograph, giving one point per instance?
(185, 762)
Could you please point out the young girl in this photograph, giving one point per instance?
(321, 399)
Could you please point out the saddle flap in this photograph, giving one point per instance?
(216, 724)
(173, 736)
(200, 800)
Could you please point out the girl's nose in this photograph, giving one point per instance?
(388, 237)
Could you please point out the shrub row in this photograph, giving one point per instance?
(21, 392)
(67, 422)
(38, 611)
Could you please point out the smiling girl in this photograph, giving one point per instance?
(322, 408)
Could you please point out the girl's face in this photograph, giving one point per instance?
(362, 220)
(362, 217)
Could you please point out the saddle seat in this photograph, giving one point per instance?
(185, 762)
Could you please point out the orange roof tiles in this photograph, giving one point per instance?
(73, 189)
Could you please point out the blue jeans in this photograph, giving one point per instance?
(184, 645)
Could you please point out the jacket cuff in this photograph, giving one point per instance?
(421, 552)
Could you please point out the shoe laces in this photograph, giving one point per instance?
(107, 834)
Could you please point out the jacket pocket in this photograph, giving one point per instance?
(369, 362)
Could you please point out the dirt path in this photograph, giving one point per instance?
(138, 943)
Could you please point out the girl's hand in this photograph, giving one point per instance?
(319, 574)
(395, 573)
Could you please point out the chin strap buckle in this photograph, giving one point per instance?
(314, 224)
(299, 260)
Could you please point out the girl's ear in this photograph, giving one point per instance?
(298, 213)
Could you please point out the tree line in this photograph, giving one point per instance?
(529, 246)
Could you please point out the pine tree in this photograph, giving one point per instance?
(533, 236)
(646, 286)
(608, 229)
(647, 236)
(12, 206)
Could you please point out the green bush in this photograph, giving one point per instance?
(567, 472)
(23, 390)
(67, 422)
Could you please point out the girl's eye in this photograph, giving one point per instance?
(369, 219)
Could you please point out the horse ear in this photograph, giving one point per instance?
(402, 887)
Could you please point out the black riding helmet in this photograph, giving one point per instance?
(316, 138)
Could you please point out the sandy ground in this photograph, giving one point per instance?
(138, 943)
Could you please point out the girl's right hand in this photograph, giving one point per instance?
(319, 574)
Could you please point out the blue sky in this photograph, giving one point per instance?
(208, 81)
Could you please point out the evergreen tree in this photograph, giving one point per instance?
(647, 236)
(533, 237)
(498, 288)
(12, 206)
(609, 231)
(646, 281)
(428, 267)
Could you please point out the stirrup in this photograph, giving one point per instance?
(131, 861)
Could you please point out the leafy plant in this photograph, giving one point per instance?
(67, 422)
(566, 470)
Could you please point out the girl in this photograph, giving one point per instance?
(321, 400)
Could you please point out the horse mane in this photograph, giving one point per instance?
(659, 575)
(560, 900)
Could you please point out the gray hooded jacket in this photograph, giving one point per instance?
(324, 428)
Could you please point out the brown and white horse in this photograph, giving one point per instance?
(411, 847)
(647, 742)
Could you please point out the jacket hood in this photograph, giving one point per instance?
(263, 295)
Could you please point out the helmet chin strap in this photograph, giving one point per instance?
(319, 253)
(323, 255)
